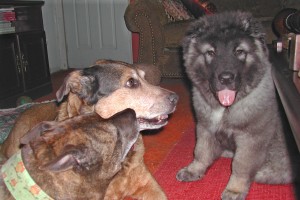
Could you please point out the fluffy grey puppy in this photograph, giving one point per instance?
(235, 104)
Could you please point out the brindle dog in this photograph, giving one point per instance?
(78, 157)
(108, 88)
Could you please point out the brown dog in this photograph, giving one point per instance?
(78, 90)
(108, 88)
(75, 158)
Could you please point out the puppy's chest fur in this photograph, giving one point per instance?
(223, 125)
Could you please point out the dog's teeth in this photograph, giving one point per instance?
(161, 117)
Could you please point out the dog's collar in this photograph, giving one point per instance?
(19, 182)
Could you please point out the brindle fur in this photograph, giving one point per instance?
(78, 157)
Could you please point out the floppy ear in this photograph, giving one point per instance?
(71, 83)
(126, 123)
(79, 158)
(36, 131)
(77, 83)
(62, 163)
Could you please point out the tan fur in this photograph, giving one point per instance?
(146, 100)
(152, 72)
(73, 107)
(38, 113)
(134, 179)
(26, 121)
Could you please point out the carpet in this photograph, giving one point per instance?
(215, 180)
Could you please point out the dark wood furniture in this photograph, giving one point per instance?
(286, 82)
(24, 67)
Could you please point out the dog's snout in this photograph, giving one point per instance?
(173, 98)
(226, 78)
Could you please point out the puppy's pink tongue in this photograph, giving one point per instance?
(226, 97)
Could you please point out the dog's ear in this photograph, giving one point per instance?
(126, 123)
(195, 29)
(251, 25)
(78, 158)
(71, 83)
(76, 83)
(64, 162)
(254, 27)
(36, 131)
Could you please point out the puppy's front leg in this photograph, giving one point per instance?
(247, 160)
(206, 151)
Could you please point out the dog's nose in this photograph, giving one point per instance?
(173, 98)
(226, 78)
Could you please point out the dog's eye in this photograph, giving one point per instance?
(132, 83)
(211, 53)
(239, 52)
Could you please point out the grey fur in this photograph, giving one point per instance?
(251, 127)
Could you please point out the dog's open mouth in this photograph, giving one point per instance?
(153, 123)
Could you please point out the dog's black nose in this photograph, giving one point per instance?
(173, 98)
(226, 78)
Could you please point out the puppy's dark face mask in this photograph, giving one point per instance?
(221, 58)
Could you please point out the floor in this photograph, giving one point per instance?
(160, 142)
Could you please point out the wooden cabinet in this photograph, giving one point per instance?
(24, 68)
(10, 76)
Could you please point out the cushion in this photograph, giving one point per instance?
(174, 40)
(175, 10)
(199, 7)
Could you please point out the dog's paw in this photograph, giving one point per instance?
(186, 175)
(231, 195)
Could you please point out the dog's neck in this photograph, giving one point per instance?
(73, 106)
(64, 185)
(19, 182)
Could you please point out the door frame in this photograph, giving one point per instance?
(60, 22)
